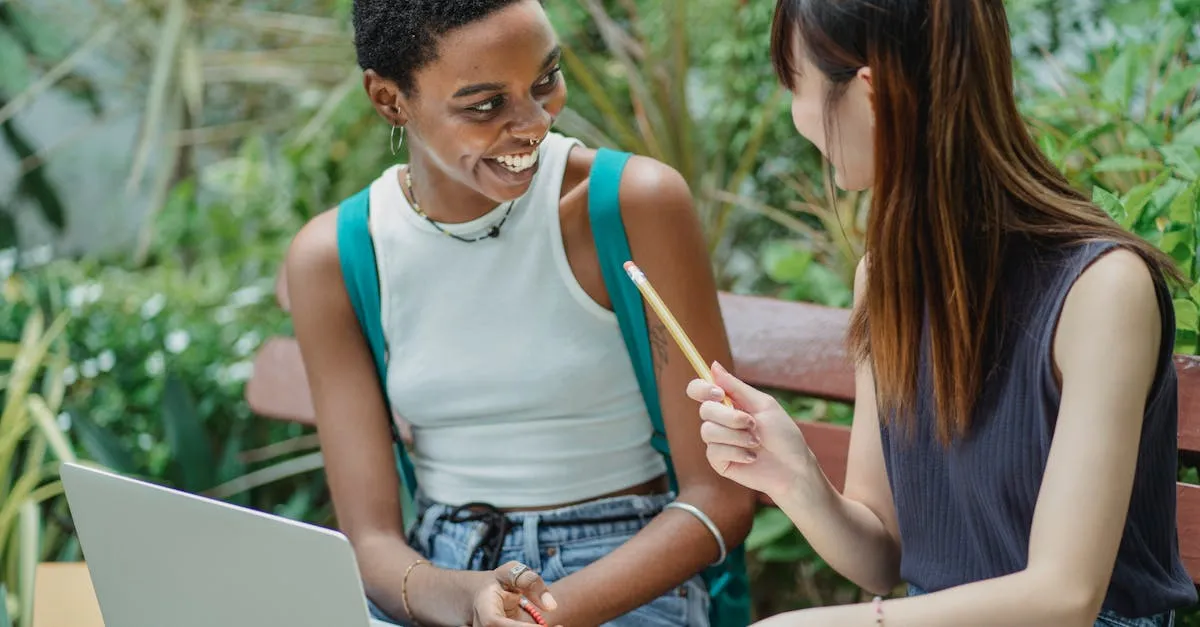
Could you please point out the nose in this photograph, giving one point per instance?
(531, 122)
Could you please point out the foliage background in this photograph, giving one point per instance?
(250, 120)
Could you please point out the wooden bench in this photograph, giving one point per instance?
(780, 345)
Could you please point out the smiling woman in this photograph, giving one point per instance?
(531, 443)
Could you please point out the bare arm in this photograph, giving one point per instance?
(855, 532)
(667, 242)
(1105, 387)
(352, 425)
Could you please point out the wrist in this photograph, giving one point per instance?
(809, 490)
(438, 596)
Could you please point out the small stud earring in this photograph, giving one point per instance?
(392, 139)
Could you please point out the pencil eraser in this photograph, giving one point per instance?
(629, 266)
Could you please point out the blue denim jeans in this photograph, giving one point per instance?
(1107, 618)
(555, 543)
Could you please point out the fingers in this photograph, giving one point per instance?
(743, 395)
(517, 577)
(728, 417)
(713, 433)
(721, 456)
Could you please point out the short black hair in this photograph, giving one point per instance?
(395, 38)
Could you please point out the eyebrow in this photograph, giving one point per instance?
(477, 88)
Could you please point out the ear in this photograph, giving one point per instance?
(864, 74)
(388, 99)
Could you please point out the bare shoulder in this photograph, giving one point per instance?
(649, 187)
(312, 256)
(1111, 318)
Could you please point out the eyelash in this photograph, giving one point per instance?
(549, 81)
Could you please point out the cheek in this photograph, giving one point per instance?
(556, 101)
(809, 120)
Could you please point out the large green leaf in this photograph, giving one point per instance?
(770, 525)
(1179, 84)
(1125, 163)
(1110, 204)
(101, 445)
(194, 469)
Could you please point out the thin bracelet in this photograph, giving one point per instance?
(877, 603)
(702, 517)
(404, 591)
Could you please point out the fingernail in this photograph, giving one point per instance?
(754, 441)
(717, 367)
(750, 457)
(549, 602)
(717, 394)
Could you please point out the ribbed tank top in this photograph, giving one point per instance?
(517, 385)
(965, 513)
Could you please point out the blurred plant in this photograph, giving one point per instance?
(31, 448)
(645, 94)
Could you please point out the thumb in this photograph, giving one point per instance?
(747, 398)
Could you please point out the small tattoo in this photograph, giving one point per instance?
(660, 344)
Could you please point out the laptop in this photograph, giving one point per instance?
(159, 557)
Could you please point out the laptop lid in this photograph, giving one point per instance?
(158, 556)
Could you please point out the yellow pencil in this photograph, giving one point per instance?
(660, 308)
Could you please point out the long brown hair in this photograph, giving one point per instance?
(957, 177)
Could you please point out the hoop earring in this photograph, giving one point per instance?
(392, 139)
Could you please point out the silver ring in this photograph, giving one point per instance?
(516, 573)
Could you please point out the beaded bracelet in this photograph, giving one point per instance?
(532, 610)
(877, 603)
(404, 591)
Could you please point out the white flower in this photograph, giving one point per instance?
(224, 315)
(239, 372)
(155, 364)
(76, 297)
(8, 262)
(177, 341)
(247, 343)
(248, 295)
(64, 421)
(37, 256)
(94, 292)
(70, 375)
(107, 360)
(89, 369)
(145, 441)
(153, 306)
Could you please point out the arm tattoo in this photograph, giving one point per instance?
(660, 345)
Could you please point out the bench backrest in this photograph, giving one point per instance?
(795, 347)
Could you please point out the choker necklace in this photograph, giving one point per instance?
(492, 232)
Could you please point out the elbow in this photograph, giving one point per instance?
(730, 506)
(1069, 599)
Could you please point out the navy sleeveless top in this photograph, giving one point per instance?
(965, 512)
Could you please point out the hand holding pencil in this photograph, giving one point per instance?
(750, 438)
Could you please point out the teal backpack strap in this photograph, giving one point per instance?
(728, 582)
(356, 253)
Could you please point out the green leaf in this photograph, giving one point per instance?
(1178, 85)
(194, 468)
(1125, 163)
(5, 621)
(1117, 85)
(789, 549)
(1089, 134)
(1134, 13)
(1110, 204)
(770, 525)
(1190, 475)
(1190, 135)
(784, 262)
(1187, 315)
(1135, 202)
(1184, 159)
(1183, 208)
(101, 444)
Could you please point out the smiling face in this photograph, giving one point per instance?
(477, 110)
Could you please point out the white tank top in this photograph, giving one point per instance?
(517, 385)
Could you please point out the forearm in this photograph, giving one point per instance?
(436, 596)
(669, 550)
(844, 532)
(1023, 598)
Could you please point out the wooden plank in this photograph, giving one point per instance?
(278, 387)
(1187, 517)
(790, 346)
(63, 596)
(1188, 369)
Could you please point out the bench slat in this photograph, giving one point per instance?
(1187, 517)
(278, 387)
(789, 346)
(1188, 369)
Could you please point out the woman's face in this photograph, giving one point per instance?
(494, 89)
(845, 132)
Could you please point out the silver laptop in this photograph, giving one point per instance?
(162, 557)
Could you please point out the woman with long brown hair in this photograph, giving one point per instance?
(1013, 453)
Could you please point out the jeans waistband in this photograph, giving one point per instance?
(483, 528)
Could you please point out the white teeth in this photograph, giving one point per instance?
(518, 163)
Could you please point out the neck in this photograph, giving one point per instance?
(442, 198)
